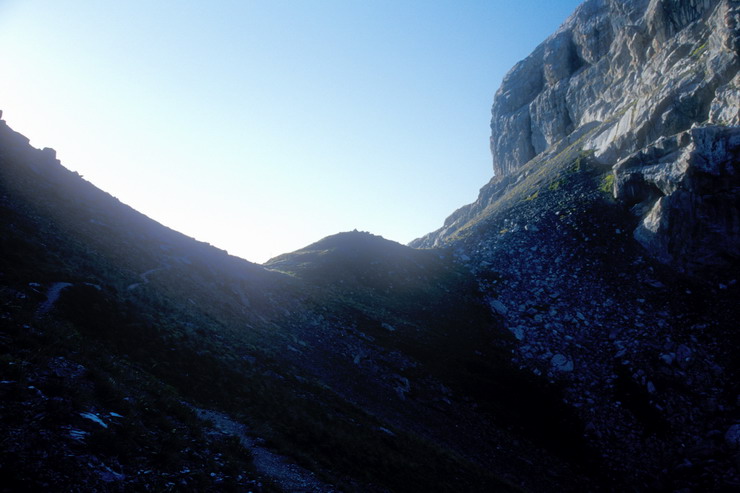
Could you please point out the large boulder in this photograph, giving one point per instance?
(686, 188)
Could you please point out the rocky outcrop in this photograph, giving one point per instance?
(725, 107)
(640, 69)
(616, 80)
(638, 99)
(686, 189)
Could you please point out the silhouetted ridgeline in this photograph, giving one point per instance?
(574, 329)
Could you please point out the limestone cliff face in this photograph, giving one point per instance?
(640, 69)
(617, 78)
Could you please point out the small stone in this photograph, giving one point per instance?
(95, 418)
(518, 333)
(655, 284)
(561, 363)
(386, 431)
(732, 437)
(498, 307)
(668, 358)
(683, 355)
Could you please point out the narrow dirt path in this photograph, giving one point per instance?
(144, 276)
(52, 295)
(291, 477)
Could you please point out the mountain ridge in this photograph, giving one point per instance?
(335, 364)
(617, 78)
(574, 329)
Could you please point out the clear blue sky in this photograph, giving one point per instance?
(263, 126)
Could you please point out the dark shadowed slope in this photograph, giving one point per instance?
(610, 235)
(575, 329)
(371, 365)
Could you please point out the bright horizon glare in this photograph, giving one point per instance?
(263, 126)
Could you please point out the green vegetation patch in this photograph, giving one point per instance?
(699, 50)
(607, 184)
(556, 184)
(583, 157)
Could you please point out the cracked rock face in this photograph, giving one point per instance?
(639, 69)
(626, 80)
(689, 186)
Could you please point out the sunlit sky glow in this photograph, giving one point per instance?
(263, 126)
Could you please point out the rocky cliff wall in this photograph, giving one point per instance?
(640, 69)
(639, 99)
(617, 79)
